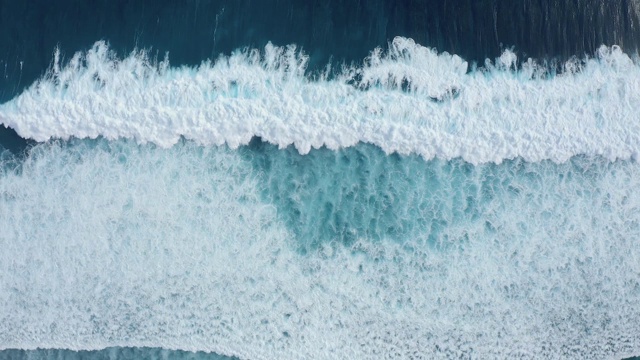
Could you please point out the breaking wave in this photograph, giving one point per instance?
(407, 99)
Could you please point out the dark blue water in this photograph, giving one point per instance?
(330, 31)
(337, 30)
(109, 354)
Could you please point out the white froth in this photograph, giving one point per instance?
(119, 245)
(409, 99)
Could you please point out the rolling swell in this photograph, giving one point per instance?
(340, 30)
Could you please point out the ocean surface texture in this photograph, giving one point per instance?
(319, 179)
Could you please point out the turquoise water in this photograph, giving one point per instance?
(360, 192)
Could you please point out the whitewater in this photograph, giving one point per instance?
(412, 206)
(409, 99)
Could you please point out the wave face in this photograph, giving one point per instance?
(266, 253)
(409, 99)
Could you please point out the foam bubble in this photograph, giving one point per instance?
(114, 244)
(409, 99)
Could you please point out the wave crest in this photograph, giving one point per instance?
(409, 99)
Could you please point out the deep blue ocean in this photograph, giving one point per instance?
(287, 179)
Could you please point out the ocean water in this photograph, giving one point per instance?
(133, 353)
(345, 179)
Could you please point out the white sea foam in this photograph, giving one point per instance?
(407, 99)
(111, 244)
